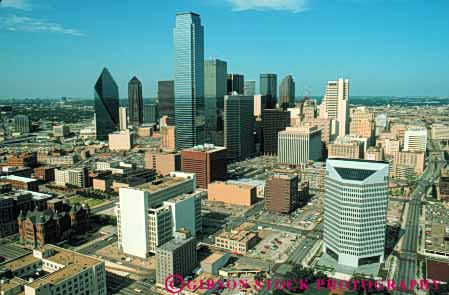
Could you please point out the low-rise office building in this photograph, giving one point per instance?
(23, 183)
(54, 271)
(232, 192)
(238, 240)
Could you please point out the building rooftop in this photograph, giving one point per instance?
(354, 174)
(214, 257)
(19, 178)
(183, 197)
(246, 185)
(72, 263)
(174, 244)
(160, 184)
(208, 148)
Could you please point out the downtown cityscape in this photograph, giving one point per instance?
(222, 182)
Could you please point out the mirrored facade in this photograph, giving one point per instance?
(106, 105)
(189, 80)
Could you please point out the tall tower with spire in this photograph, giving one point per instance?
(135, 102)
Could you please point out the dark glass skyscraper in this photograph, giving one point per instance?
(189, 80)
(268, 86)
(106, 105)
(150, 113)
(235, 83)
(287, 92)
(239, 126)
(135, 102)
(273, 121)
(166, 98)
(214, 92)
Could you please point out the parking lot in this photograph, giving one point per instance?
(305, 218)
(275, 246)
(256, 168)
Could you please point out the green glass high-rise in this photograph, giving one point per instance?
(188, 38)
(106, 105)
(268, 86)
(214, 92)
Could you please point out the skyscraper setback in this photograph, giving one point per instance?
(135, 102)
(189, 80)
(106, 105)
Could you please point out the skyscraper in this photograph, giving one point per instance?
(207, 161)
(135, 102)
(166, 98)
(299, 145)
(250, 88)
(150, 113)
(281, 193)
(273, 121)
(355, 211)
(268, 86)
(235, 83)
(335, 106)
(22, 124)
(287, 92)
(177, 256)
(189, 80)
(415, 139)
(106, 105)
(362, 123)
(123, 117)
(239, 126)
(214, 92)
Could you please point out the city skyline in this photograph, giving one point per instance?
(64, 40)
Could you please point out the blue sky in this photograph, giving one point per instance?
(54, 48)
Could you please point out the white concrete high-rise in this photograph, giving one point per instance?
(355, 211)
(335, 106)
(415, 139)
(123, 117)
(299, 145)
(134, 216)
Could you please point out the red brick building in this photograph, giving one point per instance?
(57, 223)
(23, 160)
(207, 161)
(281, 193)
(45, 173)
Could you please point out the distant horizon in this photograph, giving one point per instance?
(296, 97)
